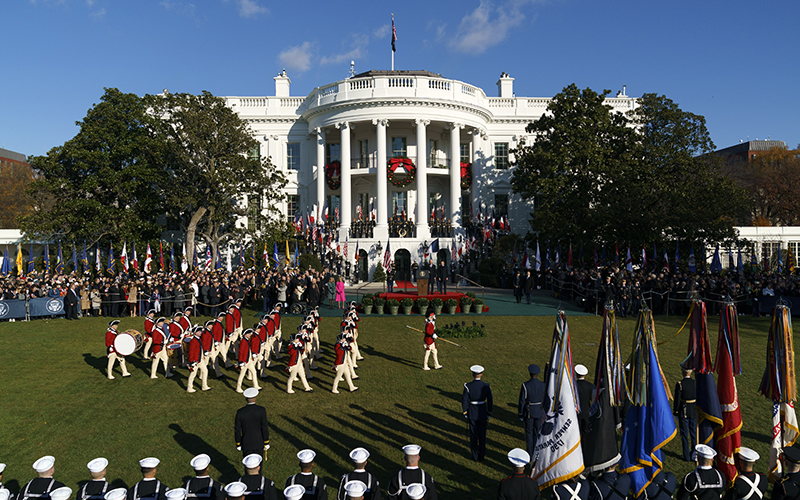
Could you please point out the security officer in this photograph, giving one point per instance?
(251, 429)
(41, 487)
(98, 486)
(518, 486)
(705, 482)
(111, 353)
(748, 484)
(314, 485)
(530, 406)
(258, 487)
(684, 409)
(610, 485)
(585, 393)
(202, 486)
(476, 403)
(662, 487)
(789, 486)
(410, 475)
(372, 490)
(574, 488)
(149, 488)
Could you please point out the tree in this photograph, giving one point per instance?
(213, 163)
(104, 183)
(14, 200)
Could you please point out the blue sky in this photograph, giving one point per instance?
(734, 62)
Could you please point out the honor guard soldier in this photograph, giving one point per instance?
(748, 484)
(262, 333)
(185, 320)
(270, 351)
(705, 482)
(372, 490)
(41, 487)
(574, 488)
(160, 335)
(235, 490)
(258, 487)
(530, 406)
(229, 320)
(111, 353)
(403, 481)
(429, 343)
(198, 361)
(251, 428)
(202, 486)
(788, 488)
(476, 403)
(684, 409)
(98, 486)
(276, 318)
(314, 485)
(585, 392)
(354, 490)
(518, 486)
(294, 492)
(237, 317)
(340, 365)
(149, 488)
(610, 484)
(295, 367)
(247, 361)
(149, 324)
(662, 487)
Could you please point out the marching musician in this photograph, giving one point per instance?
(276, 318)
(198, 359)
(160, 335)
(149, 488)
(372, 488)
(315, 348)
(111, 353)
(42, 486)
(349, 360)
(149, 324)
(218, 332)
(341, 349)
(705, 482)
(185, 320)
(410, 475)
(262, 331)
(255, 348)
(98, 486)
(316, 489)
(295, 367)
(429, 342)
(258, 487)
(748, 484)
(246, 361)
(230, 332)
(272, 338)
(176, 335)
(237, 317)
(202, 486)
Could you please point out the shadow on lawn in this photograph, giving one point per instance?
(373, 352)
(98, 364)
(195, 445)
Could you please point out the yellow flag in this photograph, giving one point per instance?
(288, 261)
(19, 259)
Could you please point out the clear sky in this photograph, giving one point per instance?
(734, 62)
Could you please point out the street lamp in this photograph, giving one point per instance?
(378, 248)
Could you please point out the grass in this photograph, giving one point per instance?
(55, 399)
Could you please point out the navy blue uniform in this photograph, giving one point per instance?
(518, 486)
(574, 489)
(610, 486)
(476, 402)
(750, 485)
(684, 409)
(530, 410)
(662, 487)
(703, 483)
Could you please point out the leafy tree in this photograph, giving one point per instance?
(14, 201)
(104, 183)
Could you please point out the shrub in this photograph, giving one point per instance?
(407, 302)
(393, 303)
(461, 331)
(379, 301)
(369, 295)
(437, 302)
(379, 276)
(422, 304)
(465, 300)
(366, 301)
(308, 260)
(470, 295)
(450, 302)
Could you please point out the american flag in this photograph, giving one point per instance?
(387, 258)
(359, 212)
(394, 35)
(453, 254)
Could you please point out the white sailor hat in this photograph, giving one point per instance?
(149, 462)
(581, 370)
(355, 489)
(116, 494)
(359, 455)
(200, 462)
(236, 489)
(306, 456)
(416, 491)
(748, 455)
(705, 451)
(252, 460)
(412, 449)
(2, 468)
(4, 494)
(519, 457)
(250, 392)
(97, 465)
(62, 493)
(44, 464)
(294, 492)
(476, 369)
(176, 494)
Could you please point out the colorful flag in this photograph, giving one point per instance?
(727, 365)
(172, 259)
(644, 257)
(134, 259)
(185, 259)
(5, 269)
(666, 260)
(275, 254)
(692, 263)
(208, 258)
(739, 263)
(148, 259)
(31, 268)
(47, 258)
(716, 263)
(123, 257)
(677, 256)
(394, 35)
(629, 260)
(59, 261)
(538, 257)
(287, 258)
(74, 259)
(20, 270)
(265, 256)
(387, 258)
(161, 254)
(110, 266)
(709, 414)
(98, 266)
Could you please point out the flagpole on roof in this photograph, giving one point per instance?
(394, 39)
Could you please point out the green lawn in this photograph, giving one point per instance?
(55, 399)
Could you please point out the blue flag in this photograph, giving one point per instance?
(110, 266)
(677, 256)
(6, 269)
(739, 263)
(603, 255)
(172, 258)
(547, 257)
(74, 259)
(692, 263)
(59, 261)
(194, 258)
(434, 248)
(716, 263)
(780, 261)
(47, 258)
(30, 260)
(275, 255)
(709, 414)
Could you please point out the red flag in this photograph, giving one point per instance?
(728, 436)
(161, 249)
(394, 35)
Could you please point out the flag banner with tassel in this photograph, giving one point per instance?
(709, 412)
(649, 425)
(557, 454)
(727, 365)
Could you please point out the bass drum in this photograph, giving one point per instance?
(128, 342)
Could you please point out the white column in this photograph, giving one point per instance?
(321, 170)
(346, 201)
(423, 231)
(455, 175)
(477, 160)
(381, 231)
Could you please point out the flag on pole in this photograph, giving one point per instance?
(47, 258)
(692, 263)
(716, 263)
(296, 254)
(538, 257)
(172, 267)
(134, 258)
(208, 258)
(739, 263)
(185, 259)
(387, 258)
(265, 256)
(629, 260)
(110, 265)
(287, 258)
(709, 414)
(547, 257)
(123, 257)
(526, 263)
(161, 254)
(596, 261)
(644, 256)
(558, 454)
(5, 269)
(275, 253)
(727, 365)
(453, 252)
(20, 270)
(74, 259)
(98, 266)
(31, 267)
(569, 257)
(345, 249)
(218, 263)
(59, 260)
(677, 256)
(666, 260)
(394, 35)
(148, 259)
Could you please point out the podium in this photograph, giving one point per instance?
(422, 282)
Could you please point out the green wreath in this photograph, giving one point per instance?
(333, 174)
(408, 166)
(466, 175)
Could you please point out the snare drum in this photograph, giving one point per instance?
(128, 342)
(174, 353)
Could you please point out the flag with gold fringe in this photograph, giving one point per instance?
(709, 413)
(727, 365)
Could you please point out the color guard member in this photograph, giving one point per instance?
(258, 487)
(372, 490)
(610, 485)
(197, 360)
(705, 482)
(684, 409)
(149, 488)
(247, 361)
(202, 486)
(41, 487)
(295, 368)
(748, 484)
(476, 403)
(530, 406)
(341, 350)
(788, 488)
(149, 324)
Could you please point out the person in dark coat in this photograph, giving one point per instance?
(251, 429)
(574, 488)
(684, 409)
(518, 284)
(71, 301)
(662, 487)
(585, 392)
(441, 277)
(748, 484)
(705, 482)
(530, 406)
(202, 486)
(40, 487)
(529, 285)
(518, 486)
(610, 485)
(788, 488)
(476, 403)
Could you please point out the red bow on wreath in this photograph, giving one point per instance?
(466, 175)
(408, 166)
(333, 174)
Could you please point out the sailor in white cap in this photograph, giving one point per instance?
(98, 486)
(258, 486)
(585, 391)
(705, 482)
(748, 484)
(176, 494)
(111, 353)
(417, 491)
(409, 475)
(354, 490)
(372, 489)
(116, 494)
(315, 487)
(3, 490)
(477, 405)
(251, 429)
(202, 486)
(41, 487)
(235, 490)
(62, 493)
(610, 484)
(149, 488)
(518, 485)
(294, 492)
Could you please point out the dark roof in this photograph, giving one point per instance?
(745, 147)
(397, 72)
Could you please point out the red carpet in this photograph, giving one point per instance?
(404, 285)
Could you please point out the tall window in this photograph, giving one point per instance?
(364, 157)
(501, 204)
(436, 202)
(399, 204)
(293, 156)
(433, 156)
(292, 206)
(363, 200)
(794, 246)
(501, 155)
(254, 212)
(255, 153)
(465, 152)
(333, 205)
(398, 147)
(331, 152)
(768, 250)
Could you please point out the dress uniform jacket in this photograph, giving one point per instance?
(610, 486)
(530, 399)
(111, 335)
(703, 483)
(518, 486)
(148, 489)
(748, 485)
(373, 487)
(410, 475)
(788, 488)
(259, 488)
(230, 324)
(476, 402)
(685, 396)
(314, 485)
(662, 487)
(195, 349)
(585, 391)
(251, 429)
(245, 349)
(237, 317)
(39, 488)
(218, 331)
(574, 489)
(204, 488)
(92, 490)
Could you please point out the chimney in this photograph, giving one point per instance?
(282, 84)
(505, 86)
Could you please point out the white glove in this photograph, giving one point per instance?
(435, 336)
(238, 448)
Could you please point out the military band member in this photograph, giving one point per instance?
(349, 358)
(429, 343)
(315, 487)
(263, 355)
(518, 486)
(42, 486)
(341, 350)
(662, 487)
(476, 403)
(218, 332)
(176, 494)
(575, 488)
(202, 486)
(229, 320)
(255, 348)
(315, 348)
(251, 428)
(411, 474)
(354, 490)
(748, 484)
(610, 484)
(197, 360)
(705, 482)
(272, 338)
(247, 361)
(185, 319)
(276, 318)
(98, 486)
(530, 406)
(160, 335)
(176, 336)
(295, 367)
(372, 490)
(788, 488)
(111, 353)
(149, 324)
(149, 488)
(237, 317)
(684, 409)
(258, 486)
